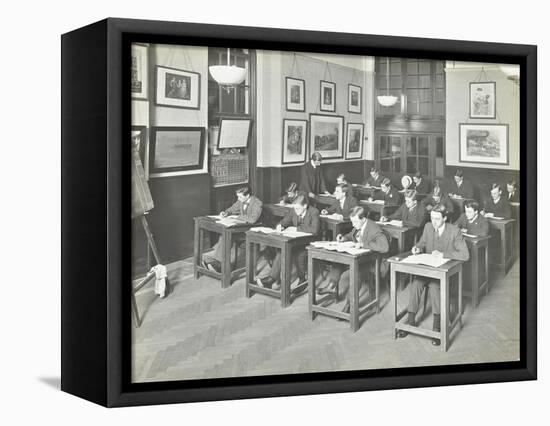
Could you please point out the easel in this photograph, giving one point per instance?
(151, 274)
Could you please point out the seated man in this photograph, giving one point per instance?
(513, 191)
(497, 206)
(343, 204)
(341, 179)
(443, 240)
(304, 218)
(249, 209)
(367, 234)
(387, 193)
(375, 178)
(421, 185)
(461, 187)
(411, 213)
(291, 194)
(438, 197)
(471, 222)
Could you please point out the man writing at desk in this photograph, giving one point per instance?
(304, 218)
(343, 204)
(443, 240)
(312, 181)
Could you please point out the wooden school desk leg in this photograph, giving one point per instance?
(226, 261)
(197, 250)
(475, 277)
(354, 282)
(250, 267)
(460, 297)
(311, 287)
(286, 269)
(444, 290)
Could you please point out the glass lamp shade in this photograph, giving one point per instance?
(228, 74)
(387, 100)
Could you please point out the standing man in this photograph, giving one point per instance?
(443, 240)
(312, 181)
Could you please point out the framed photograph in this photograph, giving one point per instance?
(234, 133)
(328, 96)
(139, 72)
(483, 99)
(354, 140)
(327, 135)
(355, 99)
(295, 94)
(294, 141)
(176, 150)
(177, 88)
(483, 143)
(157, 308)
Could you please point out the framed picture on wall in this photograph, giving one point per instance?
(139, 72)
(295, 94)
(294, 141)
(483, 143)
(483, 99)
(176, 150)
(354, 140)
(327, 135)
(177, 88)
(328, 96)
(234, 133)
(354, 98)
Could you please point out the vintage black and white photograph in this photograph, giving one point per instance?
(289, 245)
(177, 88)
(483, 99)
(328, 96)
(295, 94)
(355, 98)
(139, 80)
(327, 135)
(354, 140)
(484, 143)
(294, 141)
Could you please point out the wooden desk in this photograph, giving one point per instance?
(362, 192)
(229, 236)
(354, 262)
(335, 227)
(443, 274)
(399, 233)
(380, 209)
(286, 245)
(475, 244)
(506, 229)
(325, 200)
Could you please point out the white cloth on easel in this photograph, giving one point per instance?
(160, 281)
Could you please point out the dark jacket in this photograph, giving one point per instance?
(349, 203)
(445, 201)
(500, 209)
(310, 223)
(514, 197)
(286, 199)
(424, 187)
(451, 243)
(479, 227)
(251, 214)
(393, 197)
(374, 182)
(415, 217)
(373, 238)
(312, 179)
(466, 190)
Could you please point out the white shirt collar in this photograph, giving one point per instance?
(440, 230)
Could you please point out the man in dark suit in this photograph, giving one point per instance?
(312, 181)
(421, 185)
(375, 179)
(461, 187)
(367, 234)
(304, 218)
(388, 193)
(512, 191)
(471, 221)
(411, 212)
(344, 202)
(248, 208)
(438, 197)
(443, 240)
(497, 206)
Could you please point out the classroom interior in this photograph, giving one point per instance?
(203, 329)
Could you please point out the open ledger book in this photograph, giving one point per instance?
(346, 246)
(425, 259)
(288, 232)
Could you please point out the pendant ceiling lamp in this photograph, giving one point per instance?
(387, 100)
(227, 76)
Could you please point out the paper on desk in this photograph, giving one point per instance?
(346, 246)
(230, 221)
(263, 229)
(425, 259)
(294, 234)
(397, 223)
(218, 217)
(333, 216)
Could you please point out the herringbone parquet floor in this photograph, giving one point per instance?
(201, 331)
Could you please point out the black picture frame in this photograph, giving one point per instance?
(327, 96)
(327, 119)
(300, 158)
(96, 320)
(355, 108)
(490, 106)
(291, 105)
(361, 128)
(191, 99)
(500, 130)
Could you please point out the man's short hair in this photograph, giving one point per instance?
(458, 173)
(341, 175)
(374, 170)
(410, 193)
(496, 186)
(418, 175)
(245, 190)
(512, 182)
(440, 208)
(472, 205)
(359, 211)
(344, 187)
(301, 199)
(292, 187)
(316, 156)
(386, 182)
